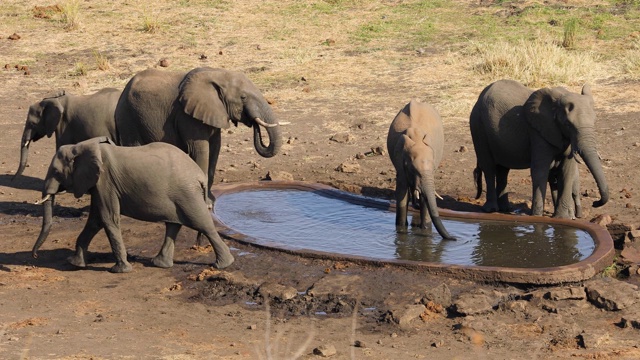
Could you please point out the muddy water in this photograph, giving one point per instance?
(311, 220)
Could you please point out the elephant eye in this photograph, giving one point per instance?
(243, 97)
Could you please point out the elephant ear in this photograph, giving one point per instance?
(86, 167)
(51, 115)
(201, 97)
(541, 113)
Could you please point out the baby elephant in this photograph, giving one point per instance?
(415, 144)
(155, 182)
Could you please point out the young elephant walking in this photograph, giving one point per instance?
(155, 182)
(415, 143)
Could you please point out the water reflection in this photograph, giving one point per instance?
(311, 220)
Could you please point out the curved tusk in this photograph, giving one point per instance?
(26, 144)
(43, 199)
(438, 196)
(262, 123)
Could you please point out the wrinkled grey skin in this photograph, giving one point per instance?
(415, 143)
(514, 127)
(72, 118)
(189, 110)
(155, 182)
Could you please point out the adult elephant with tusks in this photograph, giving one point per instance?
(189, 110)
(72, 118)
(514, 127)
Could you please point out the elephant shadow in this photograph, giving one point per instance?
(55, 259)
(29, 209)
(23, 182)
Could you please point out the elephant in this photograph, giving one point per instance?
(73, 118)
(189, 110)
(514, 127)
(154, 182)
(415, 143)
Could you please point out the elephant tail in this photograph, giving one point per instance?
(477, 177)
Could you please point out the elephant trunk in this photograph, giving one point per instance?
(587, 151)
(428, 191)
(270, 123)
(51, 187)
(47, 218)
(24, 151)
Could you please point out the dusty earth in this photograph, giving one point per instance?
(274, 305)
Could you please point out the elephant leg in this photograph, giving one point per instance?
(164, 259)
(425, 218)
(575, 193)
(566, 186)
(110, 216)
(215, 142)
(502, 177)
(402, 202)
(91, 228)
(491, 205)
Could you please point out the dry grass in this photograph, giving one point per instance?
(71, 15)
(374, 55)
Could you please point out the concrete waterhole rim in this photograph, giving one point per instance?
(601, 257)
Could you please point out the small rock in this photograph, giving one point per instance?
(572, 293)
(360, 344)
(631, 320)
(164, 63)
(406, 315)
(593, 338)
(602, 220)
(14, 36)
(252, 327)
(473, 304)
(379, 342)
(277, 291)
(394, 335)
(325, 350)
(349, 168)
(437, 343)
(439, 295)
(278, 175)
(258, 47)
(342, 138)
(330, 42)
(360, 156)
(631, 254)
(462, 149)
(611, 294)
(220, 52)
(203, 57)
(633, 235)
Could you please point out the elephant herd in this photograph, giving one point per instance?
(150, 152)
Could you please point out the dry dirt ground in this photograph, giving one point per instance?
(262, 306)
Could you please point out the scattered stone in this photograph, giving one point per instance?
(330, 42)
(572, 293)
(611, 294)
(630, 254)
(277, 291)
(175, 287)
(514, 305)
(274, 175)
(593, 338)
(375, 151)
(462, 149)
(407, 314)
(335, 284)
(325, 350)
(164, 63)
(342, 138)
(360, 156)
(439, 294)
(203, 57)
(602, 220)
(360, 344)
(14, 36)
(379, 342)
(633, 235)
(473, 304)
(348, 168)
(437, 344)
(252, 327)
(7, 66)
(631, 320)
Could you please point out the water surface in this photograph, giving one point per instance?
(311, 220)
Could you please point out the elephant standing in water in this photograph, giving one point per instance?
(73, 118)
(155, 182)
(189, 110)
(514, 127)
(415, 143)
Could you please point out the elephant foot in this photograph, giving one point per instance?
(123, 267)
(489, 207)
(76, 260)
(578, 211)
(222, 263)
(503, 206)
(161, 262)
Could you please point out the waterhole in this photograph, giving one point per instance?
(317, 221)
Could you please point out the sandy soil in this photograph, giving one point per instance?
(48, 309)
